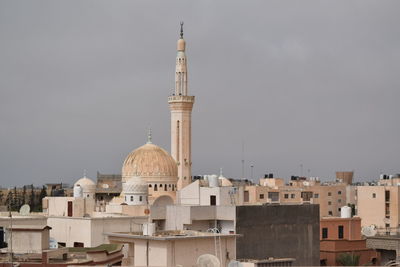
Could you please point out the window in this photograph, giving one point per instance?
(324, 232)
(339, 192)
(316, 195)
(329, 194)
(261, 196)
(274, 196)
(340, 231)
(286, 196)
(292, 196)
(126, 198)
(339, 209)
(329, 203)
(149, 185)
(155, 187)
(387, 196)
(69, 208)
(213, 200)
(140, 198)
(165, 187)
(169, 185)
(330, 213)
(160, 186)
(78, 245)
(339, 201)
(246, 196)
(131, 198)
(373, 195)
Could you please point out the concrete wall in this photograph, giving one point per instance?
(371, 205)
(29, 241)
(189, 195)
(183, 252)
(90, 231)
(58, 206)
(279, 231)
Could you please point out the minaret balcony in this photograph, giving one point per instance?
(180, 98)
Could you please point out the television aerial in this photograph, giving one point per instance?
(208, 260)
(369, 230)
(24, 210)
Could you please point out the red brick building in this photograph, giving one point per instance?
(343, 235)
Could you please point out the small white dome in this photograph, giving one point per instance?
(134, 185)
(86, 184)
(85, 181)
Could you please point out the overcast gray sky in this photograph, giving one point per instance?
(301, 82)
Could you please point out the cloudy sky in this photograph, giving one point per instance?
(312, 83)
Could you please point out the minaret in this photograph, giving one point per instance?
(181, 104)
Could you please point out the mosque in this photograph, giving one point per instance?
(151, 175)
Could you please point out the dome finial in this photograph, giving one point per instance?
(84, 172)
(149, 137)
(221, 172)
(181, 29)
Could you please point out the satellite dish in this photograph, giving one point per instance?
(208, 260)
(53, 244)
(369, 230)
(25, 209)
(234, 263)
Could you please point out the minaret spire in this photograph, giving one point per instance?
(181, 29)
(149, 137)
(181, 104)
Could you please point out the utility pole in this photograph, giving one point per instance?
(11, 225)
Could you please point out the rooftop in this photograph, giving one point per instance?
(170, 235)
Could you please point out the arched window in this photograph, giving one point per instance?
(155, 187)
(165, 187)
(149, 185)
(131, 198)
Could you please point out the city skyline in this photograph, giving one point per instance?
(79, 89)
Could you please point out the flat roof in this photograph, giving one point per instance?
(170, 235)
(29, 227)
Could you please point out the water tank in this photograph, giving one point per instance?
(345, 212)
(149, 229)
(382, 176)
(213, 181)
(78, 192)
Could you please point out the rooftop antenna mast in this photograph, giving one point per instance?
(243, 159)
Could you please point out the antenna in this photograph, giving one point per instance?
(24, 210)
(208, 260)
(251, 169)
(242, 158)
(301, 170)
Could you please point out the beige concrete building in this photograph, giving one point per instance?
(175, 248)
(379, 205)
(89, 231)
(28, 238)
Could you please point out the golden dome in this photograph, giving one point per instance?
(149, 161)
